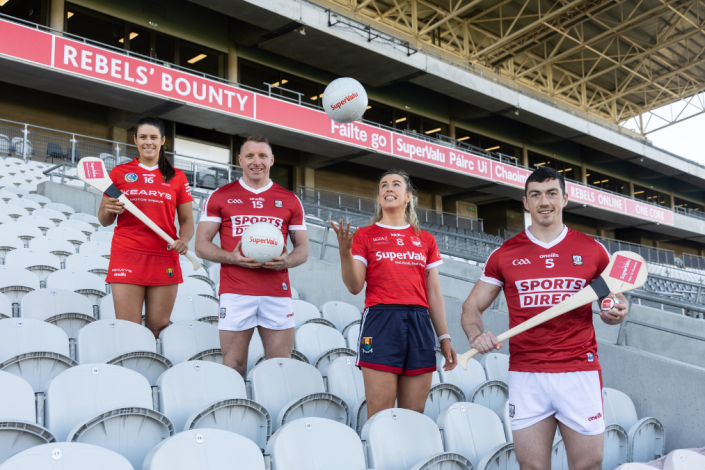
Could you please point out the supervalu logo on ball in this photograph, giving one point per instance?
(131, 177)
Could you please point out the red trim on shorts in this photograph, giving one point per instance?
(425, 370)
(394, 370)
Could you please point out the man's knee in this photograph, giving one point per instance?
(586, 462)
(532, 463)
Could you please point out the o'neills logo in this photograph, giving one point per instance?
(340, 103)
(262, 241)
(410, 255)
(597, 416)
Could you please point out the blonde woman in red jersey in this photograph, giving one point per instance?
(403, 300)
(143, 270)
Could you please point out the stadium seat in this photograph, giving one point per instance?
(34, 350)
(51, 214)
(294, 294)
(341, 314)
(67, 310)
(352, 335)
(5, 307)
(122, 343)
(646, 435)
(212, 449)
(290, 390)
(476, 433)
(559, 455)
(69, 234)
(320, 344)
(616, 446)
(195, 308)
(87, 218)
(13, 211)
(67, 455)
(188, 271)
(19, 430)
(102, 236)
(441, 396)
(496, 366)
(25, 203)
(87, 284)
(89, 263)
(189, 341)
(42, 223)
(6, 219)
(465, 380)
(57, 247)
(107, 406)
(95, 248)
(6, 195)
(79, 225)
(214, 273)
(193, 287)
(63, 208)
(505, 418)
(15, 282)
(40, 263)
(39, 199)
(305, 312)
(344, 379)
(9, 243)
(684, 459)
(491, 394)
(255, 351)
(311, 443)
(24, 232)
(397, 432)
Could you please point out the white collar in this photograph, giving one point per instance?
(393, 228)
(149, 168)
(551, 244)
(256, 191)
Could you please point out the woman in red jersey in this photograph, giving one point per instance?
(403, 300)
(143, 269)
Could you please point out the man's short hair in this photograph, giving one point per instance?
(544, 173)
(256, 138)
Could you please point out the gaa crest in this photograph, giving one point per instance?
(367, 343)
(170, 272)
(577, 260)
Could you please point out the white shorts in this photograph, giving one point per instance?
(243, 312)
(574, 397)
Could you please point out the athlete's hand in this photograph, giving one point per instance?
(616, 315)
(179, 246)
(278, 262)
(486, 342)
(450, 355)
(345, 238)
(240, 260)
(114, 206)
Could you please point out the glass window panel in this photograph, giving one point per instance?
(255, 75)
(379, 113)
(431, 128)
(28, 10)
(96, 26)
(140, 41)
(300, 85)
(165, 48)
(201, 59)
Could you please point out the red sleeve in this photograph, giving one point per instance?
(211, 209)
(184, 189)
(492, 273)
(433, 255)
(359, 248)
(113, 177)
(297, 220)
(603, 258)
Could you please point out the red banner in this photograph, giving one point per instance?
(509, 174)
(649, 212)
(25, 43)
(438, 155)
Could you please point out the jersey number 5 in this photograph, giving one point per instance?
(257, 204)
(549, 262)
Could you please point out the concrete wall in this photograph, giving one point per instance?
(80, 200)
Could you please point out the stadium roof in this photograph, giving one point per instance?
(616, 59)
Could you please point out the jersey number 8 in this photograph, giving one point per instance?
(400, 242)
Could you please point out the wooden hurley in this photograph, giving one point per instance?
(92, 171)
(626, 271)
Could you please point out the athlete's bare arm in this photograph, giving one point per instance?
(206, 249)
(297, 257)
(354, 271)
(108, 210)
(437, 311)
(481, 297)
(185, 214)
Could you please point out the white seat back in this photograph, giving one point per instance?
(88, 218)
(89, 263)
(214, 273)
(21, 230)
(304, 311)
(684, 459)
(41, 263)
(17, 403)
(352, 336)
(314, 339)
(341, 314)
(496, 366)
(87, 284)
(67, 455)
(79, 225)
(5, 307)
(56, 246)
(194, 287)
(470, 430)
(42, 223)
(619, 408)
(465, 380)
(345, 380)
(95, 248)
(67, 233)
(67, 310)
(63, 208)
(193, 308)
(24, 335)
(102, 236)
(183, 340)
(51, 214)
(104, 340)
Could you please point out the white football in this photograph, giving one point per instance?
(262, 241)
(345, 100)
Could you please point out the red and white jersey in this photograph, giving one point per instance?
(147, 190)
(536, 276)
(397, 260)
(235, 207)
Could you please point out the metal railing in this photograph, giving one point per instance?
(693, 261)
(649, 253)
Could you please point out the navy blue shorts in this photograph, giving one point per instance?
(398, 339)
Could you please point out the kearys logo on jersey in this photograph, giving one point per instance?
(241, 222)
(407, 255)
(142, 192)
(131, 177)
(547, 292)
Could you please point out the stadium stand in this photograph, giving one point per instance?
(88, 284)
(69, 455)
(67, 310)
(67, 233)
(62, 249)
(6, 309)
(195, 308)
(97, 265)
(341, 314)
(189, 341)
(320, 344)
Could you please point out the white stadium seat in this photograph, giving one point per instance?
(684, 459)
(491, 394)
(205, 449)
(19, 430)
(79, 225)
(15, 282)
(6, 195)
(95, 248)
(304, 312)
(69, 234)
(352, 335)
(88, 218)
(24, 232)
(67, 455)
(101, 236)
(320, 344)
(306, 443)
(290, 389)
(188, 271)
(42, 223)
(195, 308)
(53, 215)
(341, 314)
(214, 273)
(505, 418)
(440, 397)
(466, 380)
(63, 208)
(34, 350)
(62, 249)
(41, 200)
(108, 406)
(9, 243)
(25, 203)
(87, 284)
(122, 343)
(5, 307)
(188, 341)
(395, 432)
(294, 294)
(13, 211)
(496, 366)
(89, 263)
(67, 310)
(615, 447)
(344, 380)
(6, 219)
(40, 263)
(195, 287)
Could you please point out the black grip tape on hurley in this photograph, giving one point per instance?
(113, 192)
(600, 287)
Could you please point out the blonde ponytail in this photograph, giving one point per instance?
(409, 211)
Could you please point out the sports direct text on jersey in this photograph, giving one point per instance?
(547, 292)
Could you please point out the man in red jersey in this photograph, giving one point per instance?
(554, 373)
(253, 294)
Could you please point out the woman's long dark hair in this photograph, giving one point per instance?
(165, 166)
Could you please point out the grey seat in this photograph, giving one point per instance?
(84, 227)
(496, 366)
(42, 223)
(341, 314)
(67, 233)
(41, 200)
(67, 310)
(90, 263)
(195, 308)
(34, 350)
(87, 218)
(188, 341)
(62, 249)
(108, 406)
(290, 389)
(95, 248)
(24, 232)
(102, 236)
(193, 287)
(394, 433)
(304, 312)
(40, 263)
(17, 282)
(310, 443)
(491, 394)
(12, 210)
(352, 335)
(320, 344)
(51, 214)
(67, 455)
(465, 380)
(87, 284)
(344, 380)
(9, 242)
(25, 203)
(211, 449)
(122, 343)
(19, 429)
(441, 396)
(5, 307)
